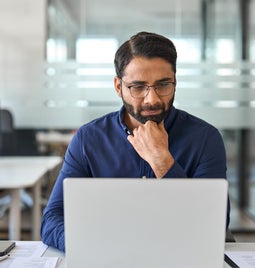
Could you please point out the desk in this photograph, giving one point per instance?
(36, 249)
(51, 252)
(24, 172)
(53, 137)
(53, 141)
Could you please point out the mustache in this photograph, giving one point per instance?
(151, 107)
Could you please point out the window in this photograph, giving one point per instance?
(56, 50)
(96, 50)
(188, 49)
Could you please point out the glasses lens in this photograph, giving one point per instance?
(138, 91)
(141, 91)
(164, 89)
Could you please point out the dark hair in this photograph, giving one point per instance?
(144, 44)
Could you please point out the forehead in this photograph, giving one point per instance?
(148, 67)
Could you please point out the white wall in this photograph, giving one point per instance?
(35, 99)
(22, 29)
(22, 47)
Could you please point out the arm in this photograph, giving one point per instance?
(206, 157)
(52, 226)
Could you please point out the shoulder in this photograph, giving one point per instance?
(101, 122)
(190, 120)
(99, 128)
(190, 129)
(186, 124)
(96, 129)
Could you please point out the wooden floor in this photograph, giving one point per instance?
(26, 226)
(241, 225)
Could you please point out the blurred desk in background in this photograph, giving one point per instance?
(53, 142)
(25, 172)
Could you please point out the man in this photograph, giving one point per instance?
(148, 137)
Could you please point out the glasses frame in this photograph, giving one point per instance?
(147, 90)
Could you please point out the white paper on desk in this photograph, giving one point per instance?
(27, 254)
(28, 249)
(244, 259)
(35, 262)
(39, 262)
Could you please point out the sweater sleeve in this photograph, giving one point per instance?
(52, 225)
(176, 171)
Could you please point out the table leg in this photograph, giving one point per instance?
(15, 215)
(36, 211)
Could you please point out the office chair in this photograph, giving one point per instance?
(7, 133)
(8, 147)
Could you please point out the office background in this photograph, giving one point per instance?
(56, 71)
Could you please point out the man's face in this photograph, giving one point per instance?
(143, 71)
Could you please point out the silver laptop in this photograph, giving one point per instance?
(145, 223)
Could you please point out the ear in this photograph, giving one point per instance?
(117, 85)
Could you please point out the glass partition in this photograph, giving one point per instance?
(71, 83)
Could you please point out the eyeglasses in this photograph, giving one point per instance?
(139, 91)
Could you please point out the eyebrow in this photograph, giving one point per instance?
(164, 79)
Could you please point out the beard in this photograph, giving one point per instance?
(143, 119)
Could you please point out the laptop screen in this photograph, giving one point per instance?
(145, 222)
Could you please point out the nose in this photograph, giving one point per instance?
(152, 96)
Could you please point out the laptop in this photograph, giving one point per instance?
(144, 223)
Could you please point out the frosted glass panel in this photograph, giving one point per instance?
(69, 94)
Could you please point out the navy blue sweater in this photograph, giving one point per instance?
(101, 149)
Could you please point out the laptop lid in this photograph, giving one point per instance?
(145, 223)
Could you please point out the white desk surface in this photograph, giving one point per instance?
(54, 137)
(51, 252)
(240, 247)
(18, 172)
(34, 248)
(24, 171)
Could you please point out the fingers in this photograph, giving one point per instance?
(161, 125)
(148, 125)
(130, 138)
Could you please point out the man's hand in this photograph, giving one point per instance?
(150, 141)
